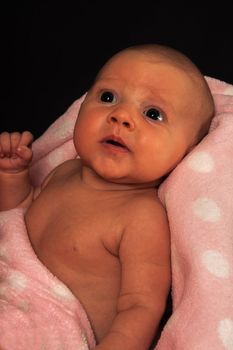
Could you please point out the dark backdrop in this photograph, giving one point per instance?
(52, 50)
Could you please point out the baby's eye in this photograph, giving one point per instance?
(107, 97)
(154, 114)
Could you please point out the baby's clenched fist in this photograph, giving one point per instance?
(15, 151)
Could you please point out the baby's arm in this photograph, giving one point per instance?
(145, 282)
(15, 157)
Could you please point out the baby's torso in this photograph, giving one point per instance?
(76, 233)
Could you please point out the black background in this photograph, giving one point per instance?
(51, 51)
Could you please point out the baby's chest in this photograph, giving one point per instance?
(83, 233)
(74, 230)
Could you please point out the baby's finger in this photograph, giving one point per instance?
(25, 153)
(15, 140)
(26, 139)
(5, 144)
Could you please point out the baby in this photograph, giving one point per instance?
(147, 108)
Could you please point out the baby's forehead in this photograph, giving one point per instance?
(148, 68)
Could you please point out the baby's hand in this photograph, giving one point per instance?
(15, 151)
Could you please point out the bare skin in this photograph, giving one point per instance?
(107, 237)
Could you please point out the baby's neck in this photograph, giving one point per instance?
(91, 179)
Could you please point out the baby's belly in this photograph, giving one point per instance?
(79, 259)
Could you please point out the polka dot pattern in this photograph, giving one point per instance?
(17, 280)
(216, 263)
(201, 162)
(229, 91)
(206, 209)
(225, 330)
(61, 292)
(33, 302)
(198, 196)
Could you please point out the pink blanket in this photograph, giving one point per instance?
(37, 311)
(198, 196)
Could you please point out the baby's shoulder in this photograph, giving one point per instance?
(147, 228)
(146, 206)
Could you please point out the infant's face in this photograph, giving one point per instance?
(138, 120)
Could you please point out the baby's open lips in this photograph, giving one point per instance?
(116, 142)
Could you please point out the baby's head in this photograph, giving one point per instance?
(148, 107)
(197, 100)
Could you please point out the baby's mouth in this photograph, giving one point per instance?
(116, 142)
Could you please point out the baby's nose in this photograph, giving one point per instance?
(123, 118)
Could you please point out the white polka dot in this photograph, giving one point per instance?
(225, 332)
(62, 292)
(84, 345)
(216, 263)
(201, 162)
(228, 91)
(206, 209)
(17, 280)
